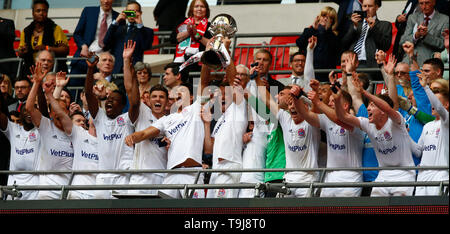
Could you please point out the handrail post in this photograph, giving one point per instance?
(195, 182)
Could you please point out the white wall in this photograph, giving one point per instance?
(249, 18)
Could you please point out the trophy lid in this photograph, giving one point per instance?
(223, 24)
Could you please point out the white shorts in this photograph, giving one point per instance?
(430, 175)
(150, 178)
(110, 179)
(342, 176)
(81, 194)
(300, 177)
(183, 178)
(225, 178)
(51, 180)
(394, 176)
(24, 179)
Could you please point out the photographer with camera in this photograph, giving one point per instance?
(368, 34)
(128, 26)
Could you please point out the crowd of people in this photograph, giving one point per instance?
(245, 119)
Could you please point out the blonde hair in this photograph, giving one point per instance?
(330, 11)
(443, 83)
(7, 79)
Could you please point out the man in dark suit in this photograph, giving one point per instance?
(90, 31)
(125, 28)
(7, 37)
(168, 13)
(369, 34)
(346, 8)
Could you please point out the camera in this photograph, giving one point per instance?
(363, 14)
(302, 93)
(130, 13)
(92, 58)
(333, 87)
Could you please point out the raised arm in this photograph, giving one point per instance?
(341, 114)
(88, 88)
(388, 71)
(263, 94)
(327, 110)
(61, 81)
(130, 81)
(309, 64)
(435, 102)
(311, 117)
(3, 111)
(37, 86)
(208, 142)
(59, 112)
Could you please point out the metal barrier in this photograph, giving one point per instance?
(14, 190)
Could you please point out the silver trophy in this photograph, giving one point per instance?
(222, 26)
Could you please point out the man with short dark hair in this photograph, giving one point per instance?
(172, 75)
(128, 27)
(264, 59)
(22, 88)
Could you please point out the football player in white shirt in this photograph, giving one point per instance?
(185, 130)
(300, 138)
(56, 148)
(344, 143)
(25, 142)
(150, 154)
(434, 141)
(112, 127)
(84, 142)
(389, 136)
(228, 131)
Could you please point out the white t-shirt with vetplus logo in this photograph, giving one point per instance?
(85, 155)
(391, 143)
(113, 153)
(186, 132)
(24, 156)
(148, 153)
(344, 147)
(301, 143)
(228, 133)
(56, 153)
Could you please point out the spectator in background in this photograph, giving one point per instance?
(89, 33)
(264, 59)
(7, 37)
(327, 48)
(411, 6)
(42, 34)
(172, 75)
(143, 74)
(6, 89)
(192, 34)
(169, 13)
(368, 34)
(424, 29)
(444, 54)
(125, 28)
(345, 10)
(297, 63)
(22, 88)
(105, 67)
